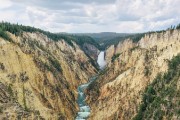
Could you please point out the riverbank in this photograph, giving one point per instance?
(84, 109)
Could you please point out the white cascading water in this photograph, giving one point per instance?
(101, 62)
(84, 109)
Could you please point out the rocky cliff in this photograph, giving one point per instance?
(39, 77)
(160, 100)
(116, 94)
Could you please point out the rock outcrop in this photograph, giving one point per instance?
(91, 50)
(117, 92)
(39, 77)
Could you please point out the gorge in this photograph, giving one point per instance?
(48, 76)
(89, 60)
(84, 109)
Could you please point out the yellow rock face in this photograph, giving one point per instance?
(121, 86)
(40, 77)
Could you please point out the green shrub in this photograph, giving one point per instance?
(115, 56)
(10, 91)
(4, 35)
(55, 64)
(162, 92)
(1, 109)
(134, 48)
(146, 71)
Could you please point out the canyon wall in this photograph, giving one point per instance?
(117, 92)
(39, 77)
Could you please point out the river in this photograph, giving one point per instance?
(84, 109)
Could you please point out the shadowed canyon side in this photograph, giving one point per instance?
(131, 67)
(39, 77)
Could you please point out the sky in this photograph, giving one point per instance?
(92, 16)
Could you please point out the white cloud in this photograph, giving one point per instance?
(5, 4)
(92, 15)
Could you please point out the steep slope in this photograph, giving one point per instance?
(90, 47)
(161, 99)
(116, 94)
(39, 76)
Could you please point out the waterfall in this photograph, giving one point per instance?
(101, 61)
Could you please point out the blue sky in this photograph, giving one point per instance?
(81, 16)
